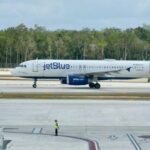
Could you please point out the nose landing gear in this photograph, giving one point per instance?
(34, 84)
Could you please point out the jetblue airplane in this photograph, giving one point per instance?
(82, 72)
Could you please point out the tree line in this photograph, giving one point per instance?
(18, 44)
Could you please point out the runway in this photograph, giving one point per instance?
(84, 125)
(52, 85)
(53, 89)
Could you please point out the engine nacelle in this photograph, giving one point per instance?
(75, 80)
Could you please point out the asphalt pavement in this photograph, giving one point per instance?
(91, 125)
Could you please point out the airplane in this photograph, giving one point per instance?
(82, 72)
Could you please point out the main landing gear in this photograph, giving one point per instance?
(34, 84)
(94, 85)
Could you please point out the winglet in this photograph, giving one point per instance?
(128, 69)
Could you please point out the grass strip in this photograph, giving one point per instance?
(135, 96)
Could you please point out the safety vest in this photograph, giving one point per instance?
(56, 126)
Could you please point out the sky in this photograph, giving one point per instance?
(75, 14)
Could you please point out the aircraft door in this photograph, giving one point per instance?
(35, 66)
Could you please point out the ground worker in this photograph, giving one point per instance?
(56, 127)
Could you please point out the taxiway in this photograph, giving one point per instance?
(55, 86)
(53, 89)
(84, 125)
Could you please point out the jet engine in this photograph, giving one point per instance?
(75, 80)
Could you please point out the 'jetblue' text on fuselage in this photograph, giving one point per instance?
(56, 65)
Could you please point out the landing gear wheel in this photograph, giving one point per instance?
(34, 85)
(91, 85)
(97, 86)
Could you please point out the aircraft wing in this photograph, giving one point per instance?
(103, 73)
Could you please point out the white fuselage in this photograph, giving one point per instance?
(102, 69)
